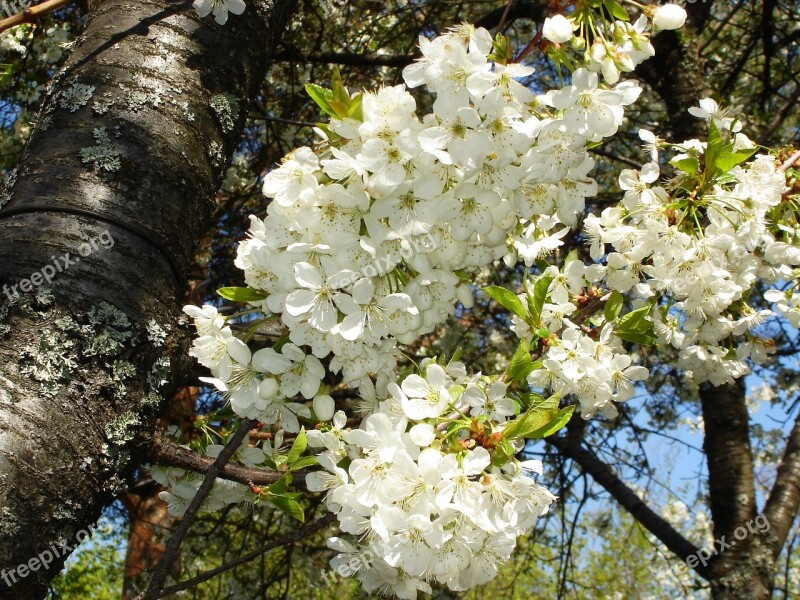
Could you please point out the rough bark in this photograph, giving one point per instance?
(746, 568)
(135, 162)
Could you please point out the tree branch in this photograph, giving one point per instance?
(32, 13)
(788, 108)
(602, 474)
(156, 583)
(283, 540)
(165, 452)
(784, 500)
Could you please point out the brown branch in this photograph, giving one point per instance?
(788, 108)
(32, 13)
(345, 58)
(790, 162)
(168, 453)
(283, 540)
(518, 9)
(570, 447)
(784, 499)
(156, 583)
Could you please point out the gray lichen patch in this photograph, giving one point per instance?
(158, 374)
(155, 333)
(67, 341)
(103, 154)
(8, 524)
(102, 104)
(8, 190)
(215, 154)
(75, 96)
(122, 429)
(226, 108)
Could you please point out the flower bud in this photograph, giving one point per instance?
(557, 29)
(669, 16)
(324, 407)
(268, 389)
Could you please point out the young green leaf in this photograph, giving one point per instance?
(508, 300)
(635, 327)
(688, 165)
(298, 447)
(728, 158)
(616, 10)
(303, 462)
(241, 294)
(289, 506)
(613, 306)
(520, 364)
(540, 290)
(322, 97)
(531, 420)
(558, 422)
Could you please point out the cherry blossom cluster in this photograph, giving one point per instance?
(368, 239)
(369, 242)
(700, 244)
(420, 482)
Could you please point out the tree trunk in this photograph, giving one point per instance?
(111, 194)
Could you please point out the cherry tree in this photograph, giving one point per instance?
(375, 233)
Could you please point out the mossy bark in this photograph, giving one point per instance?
(126, 157)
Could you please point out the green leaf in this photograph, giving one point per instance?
(540, 290)
(539, 402)
(303, 462)
(502, 453)
(616, 10)
(298, 447)
(290, 506)
(241, 294)
(531, 420)
(340, 93)
(520, 364)
(635, 327)
(356, 110)
(637, 337)
(689, 165)
(280, 486)
(508, 300)
(728, 159)
(322, 96)
(558, 422)
(713, 146)
(613, 306)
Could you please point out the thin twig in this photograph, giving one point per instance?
(789, 163)
(284, 540)
(504, 17)
(32, 13)
(153, 589)
(168, 453)
(536, 38)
